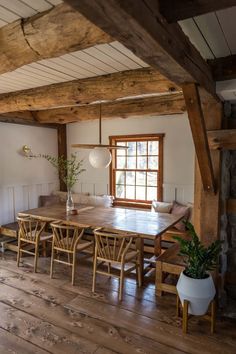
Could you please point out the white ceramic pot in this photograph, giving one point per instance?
(199, 293)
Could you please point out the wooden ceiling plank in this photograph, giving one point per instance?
(24, 42)
(140, 27)
(77, 92)
(190, 8)
(198, 128)
(222, 139)
(147, 106)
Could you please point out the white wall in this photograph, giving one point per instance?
(178, 151)
(22, 180)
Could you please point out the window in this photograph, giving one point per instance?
(136, 173)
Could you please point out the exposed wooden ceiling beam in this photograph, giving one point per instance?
(107, 87)
(157, 105)
(176, 11)
(197, 124)
(24, 118)
(231, 206)
(222, 139)
(223, 68)
(140, 27)
(50, 34)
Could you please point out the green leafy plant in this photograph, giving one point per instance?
(198, 258)
(68, 169)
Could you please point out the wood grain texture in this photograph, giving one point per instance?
(191, 8)
(139, 26)
(141, 323)
(198, 128)
(84, 91)
(223, 68)
(222, 139)
(50, 34)
(144, 223)
(231, 206)
(160, 105)
(206, 211)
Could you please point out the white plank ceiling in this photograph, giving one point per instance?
(12, 10)
(94, 61)
(213, 34)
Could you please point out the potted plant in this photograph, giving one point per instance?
(195, 283)
(68, 170)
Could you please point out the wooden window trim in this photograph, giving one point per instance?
(138, 137)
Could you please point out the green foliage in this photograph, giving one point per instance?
(198, 258)
(68, 169)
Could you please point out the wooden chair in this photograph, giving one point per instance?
(31, 233)
(68, 239)
(116, 249)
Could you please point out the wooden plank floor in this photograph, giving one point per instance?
(43, 315)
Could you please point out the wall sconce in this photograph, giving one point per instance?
(27, 152)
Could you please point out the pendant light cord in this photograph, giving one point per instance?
(100, 124)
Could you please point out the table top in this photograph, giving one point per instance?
(145, 223)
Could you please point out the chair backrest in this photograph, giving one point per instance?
(66, 237)
(112, 246)
(30, 228)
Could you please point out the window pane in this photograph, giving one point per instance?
(121, 152)
(141, 148)
(151, 193)
(130, 192)
(141, 178)
(140, 193)
(153, 162)
(120, 162)
(130, 178)
(152, 179)
(141, 162)
(131, 162)
(120, 177)
(153, 147)
(120, 191)
(131, 148)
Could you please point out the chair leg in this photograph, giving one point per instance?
(159, 278)
(52, 263)
(73, 268)
(121, 281)
(36, 257)
(109, 267)
(18, 254)
(94, 274)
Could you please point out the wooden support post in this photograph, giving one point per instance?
(206, 204)
(197, 123)
(62, 149)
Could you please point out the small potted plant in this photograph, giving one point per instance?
(195, 283)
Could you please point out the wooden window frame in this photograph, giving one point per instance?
(137, 137)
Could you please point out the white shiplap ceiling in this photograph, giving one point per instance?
(213, 34)
(99, 60)
(12, 10)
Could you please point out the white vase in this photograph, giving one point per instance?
(69, 202)
(199, 293)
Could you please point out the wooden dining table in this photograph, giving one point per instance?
(146, 224)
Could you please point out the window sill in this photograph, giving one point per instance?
(135, 205)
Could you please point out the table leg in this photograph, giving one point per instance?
(140, 246)
(157, 246)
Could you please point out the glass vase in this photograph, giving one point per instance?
(69, 202)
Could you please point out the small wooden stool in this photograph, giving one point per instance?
(186, 316)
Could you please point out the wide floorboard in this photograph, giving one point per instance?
(43, 315)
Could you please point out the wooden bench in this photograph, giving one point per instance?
(9, 236)
(166, 238)
(169, 262)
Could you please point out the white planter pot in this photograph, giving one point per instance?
(199, 293)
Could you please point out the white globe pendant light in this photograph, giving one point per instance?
(100, 157)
